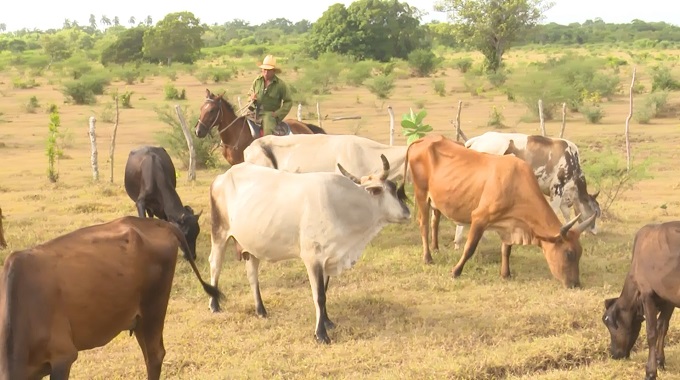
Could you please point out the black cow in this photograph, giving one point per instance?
(651, 288)
(150, 181)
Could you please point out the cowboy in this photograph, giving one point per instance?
(271, 96)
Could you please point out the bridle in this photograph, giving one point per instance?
(218, 120)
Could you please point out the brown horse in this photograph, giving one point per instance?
(234, 131)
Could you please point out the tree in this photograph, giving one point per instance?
(148, 21)
(491, 26)
(105, 20)
(175, 38)
(127, 47)
(56, 46)
(93, 21)
(368, 29)
(132, 20)
(116, 21)
(3, 27)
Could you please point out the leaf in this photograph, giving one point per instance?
(426, 128)
(408, 124)
(420, 116)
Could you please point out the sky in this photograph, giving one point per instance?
(46, 14)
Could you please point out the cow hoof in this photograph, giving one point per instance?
(428, 259)
(329, 324)
(215, 305)
(322, 338)
(262, 313)
(650, 376)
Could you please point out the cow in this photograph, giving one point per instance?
(326, 219)
(79, 290)
(322, 153)
(556, 165)
(490, 192)
(651, 292)
(3, 243)
(150, 181)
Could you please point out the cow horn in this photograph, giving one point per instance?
(596, 194)
(582, 226)
(565, 228)
(386, 167)
(348, 175)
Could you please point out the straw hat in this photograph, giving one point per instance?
(268, 63)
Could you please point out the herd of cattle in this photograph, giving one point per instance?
(300, 196)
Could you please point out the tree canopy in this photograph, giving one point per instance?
(492, 26)
(177, 37)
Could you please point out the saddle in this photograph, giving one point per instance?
(281, 129)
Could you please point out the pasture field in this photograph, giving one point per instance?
(397, 318)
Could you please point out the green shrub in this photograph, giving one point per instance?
(32, 105)
(171, 93)
(79, 93)
(175, 142)
(496, 118)
(592, 112)
(657, 102)
(423, 62)
(663, 80)
(463, 64)
(358, 73)
(643, 115)
(52, 148)
(413, 127)
(22, 84)
(439, 87)
(381, 86)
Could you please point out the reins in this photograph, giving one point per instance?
(220, 129)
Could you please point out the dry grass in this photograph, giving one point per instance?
(397, 318)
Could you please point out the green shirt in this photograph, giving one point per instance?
(274, 98)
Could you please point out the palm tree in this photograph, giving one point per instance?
(116, 21)
(132, 20)
(105, 20)
(3, 27)
(149, 21)
(93, 21)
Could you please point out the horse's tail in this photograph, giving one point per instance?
(269, 153)
(316, 129)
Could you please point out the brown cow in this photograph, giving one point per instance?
(3, 243)
(651, 288)
(490, 192)
(78, 291)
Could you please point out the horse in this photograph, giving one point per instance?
(235, 131)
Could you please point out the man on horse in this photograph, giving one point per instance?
(270, 96)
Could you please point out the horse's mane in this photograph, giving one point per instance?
(228, 105)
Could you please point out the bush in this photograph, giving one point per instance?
(439, 87)
(32, 105)
(358, 73)
(496, 118)
(176, 144)
(423, 62)
(381, 86)
(643, 115)
(171, 93)
(657, 102)
(79, 93)
(663, 80)
(463, 64)
(592, 113)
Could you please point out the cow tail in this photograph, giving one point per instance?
(184, 246)
(267, 149)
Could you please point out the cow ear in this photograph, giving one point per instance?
(609, 302)
(375, 190)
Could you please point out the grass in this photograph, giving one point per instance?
(397, 317)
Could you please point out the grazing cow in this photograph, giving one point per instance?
(150, 181)
(490, 192)
(651, 288)
(556, 165)
(322, 153)
(326, 219)
(78, 291)
(3, 243)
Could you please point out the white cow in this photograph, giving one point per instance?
(326, 219)
(322, 153)
(556, 165)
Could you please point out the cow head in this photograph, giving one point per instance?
(587, 206)
(392, 199)
(563, 251)
(624, 327)
(188, 224)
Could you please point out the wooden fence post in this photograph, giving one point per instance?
(190, 144)
(318, 114)
(113, 141)
(540, 116)
(564, 119)
(459, 132)
(299, 112)
(3, 242)
(630, 114)
(391, 112)
(93, 149)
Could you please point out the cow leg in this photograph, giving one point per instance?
(662, 328)
(459, 236)
(61, 367)
(219, 244)
(141, 208)
(556, 205)
(329, 324)
(476, 231)
(651, 312)
(434, 226)
(316, 281)
(423, 214)
(63, 352)
(252, 266)
(505, 260)
(149, 334)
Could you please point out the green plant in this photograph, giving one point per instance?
(381, 86)
(463, 64)
(439, 87)
(643, 115)
(53, 151)
(32, 105)
(592, 112)
(174, 141)
(663, 80)
(171, 93)
(423, 62)
(413, 127)
(495, 118)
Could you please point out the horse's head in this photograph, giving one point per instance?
(211, 114)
